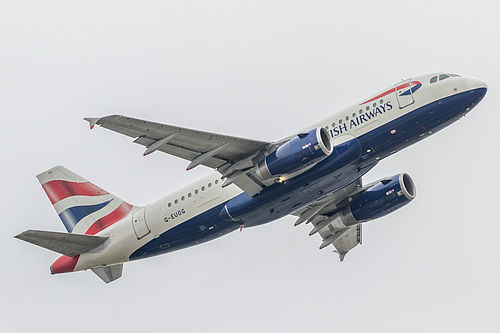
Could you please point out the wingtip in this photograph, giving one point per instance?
(92, 121)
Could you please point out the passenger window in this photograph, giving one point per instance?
(367, 107)
(434, 79)
(189, 195)
(381, 101)
(374, 105)
(354, 115)
(169, 204)
(216, 181)
(333, 124)
(176, 201)
(182, 198)
(209, 185)
(443, 76)
(360, 111)
(347, 118)
(203, 188)
(195, 191)
(340, 121)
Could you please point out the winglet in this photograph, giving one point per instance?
(92, 121)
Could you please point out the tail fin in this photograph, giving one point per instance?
(83, 207)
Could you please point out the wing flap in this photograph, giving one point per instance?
(323, 215)
(67, 244)
(348, 241)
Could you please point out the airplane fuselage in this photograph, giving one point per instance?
(362, 135)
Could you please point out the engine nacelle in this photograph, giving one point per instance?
(383, 198)
(299, 153)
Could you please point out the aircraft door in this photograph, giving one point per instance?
(404, 93)
(139, 223)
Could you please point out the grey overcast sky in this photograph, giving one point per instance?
(263, 70)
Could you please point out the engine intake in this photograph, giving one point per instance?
(300, 153)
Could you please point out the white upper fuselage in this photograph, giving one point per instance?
(370, 114)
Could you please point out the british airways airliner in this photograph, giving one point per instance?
(315, 175)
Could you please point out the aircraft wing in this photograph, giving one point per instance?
(321, 214)
(231, 156)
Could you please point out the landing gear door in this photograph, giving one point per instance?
(139, 223)
(404, 93)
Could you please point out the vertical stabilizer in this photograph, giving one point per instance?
(83, 207)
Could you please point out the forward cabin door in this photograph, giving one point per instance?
(139, 223)
(404, 93)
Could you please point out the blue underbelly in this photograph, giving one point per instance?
(326, 177)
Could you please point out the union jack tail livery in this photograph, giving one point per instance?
(83, 207)
(85, 210)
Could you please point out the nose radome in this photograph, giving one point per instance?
(474, 83)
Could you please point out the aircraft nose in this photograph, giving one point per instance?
(474, 83)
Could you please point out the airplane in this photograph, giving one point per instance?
(314, 174)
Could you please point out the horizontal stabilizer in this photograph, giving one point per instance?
(109, 273)
(68, 244)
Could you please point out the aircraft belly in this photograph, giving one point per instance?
(415, 126)
(196, 230)
(325, 178)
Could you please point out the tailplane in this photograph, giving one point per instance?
(109, 273)
(83, 207)
(67, 244)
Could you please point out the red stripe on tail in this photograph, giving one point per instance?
(58, 190)
(110, 219)
(64, 264)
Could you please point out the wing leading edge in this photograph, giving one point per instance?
(233, 157)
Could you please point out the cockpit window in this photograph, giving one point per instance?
(434, 79)
(443, 76)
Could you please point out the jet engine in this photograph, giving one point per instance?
(300, 153)
(387, 196)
